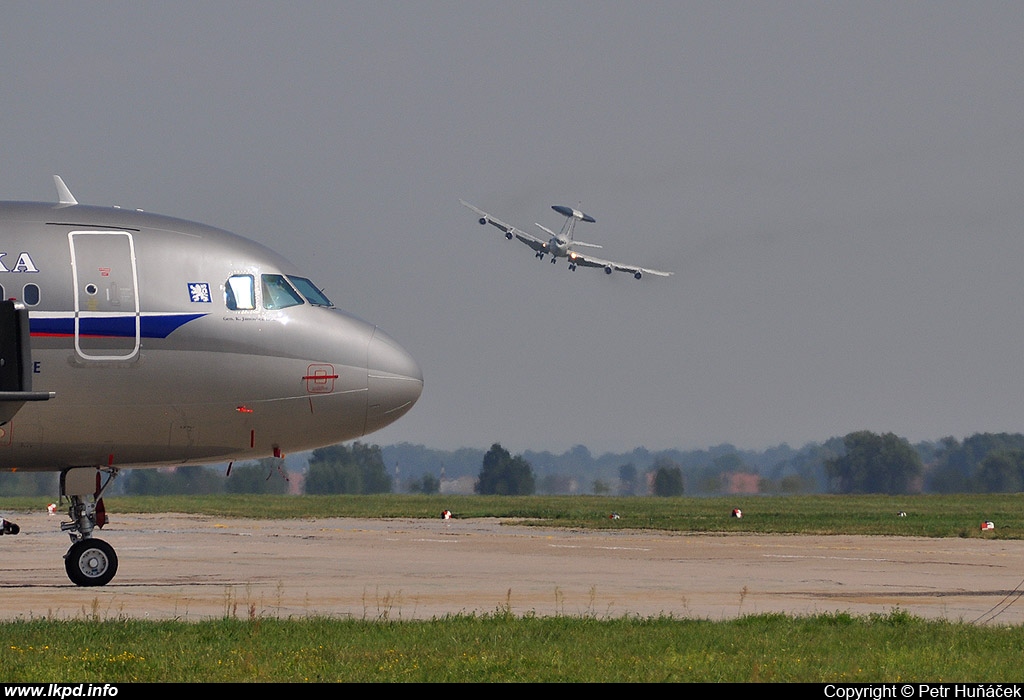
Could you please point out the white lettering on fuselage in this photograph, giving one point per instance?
(24, 264)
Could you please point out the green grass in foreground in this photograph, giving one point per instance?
(500, 647)
(492, 648)
(926, 515)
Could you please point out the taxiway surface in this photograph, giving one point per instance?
(198, 567)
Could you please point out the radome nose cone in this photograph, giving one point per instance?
(394, 381)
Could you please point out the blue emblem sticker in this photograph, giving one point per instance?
(199, 292)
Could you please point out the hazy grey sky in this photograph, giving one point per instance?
(835, 185)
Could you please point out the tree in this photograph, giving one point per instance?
(668, 481)
(29, 484)
(627, 480)
(874, 464)
(961, 467)
(557, 483)
(264, 476)
(338, 469)
(428, 484)
(504, 475)
(1002, 472)
(174, 480)
(668, 478)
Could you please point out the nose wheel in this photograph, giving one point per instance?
(90, 562)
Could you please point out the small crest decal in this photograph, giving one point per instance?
(199, 292)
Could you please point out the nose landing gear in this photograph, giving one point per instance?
(89, 561)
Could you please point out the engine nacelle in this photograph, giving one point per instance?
(483, 221)
(607, 269)
(637, 274)
(508, 235)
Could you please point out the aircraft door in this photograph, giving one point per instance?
(105, 276)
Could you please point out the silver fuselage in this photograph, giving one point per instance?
(136, 327)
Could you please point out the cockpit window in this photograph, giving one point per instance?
(309, 290)
(240, 293)
(278, 294)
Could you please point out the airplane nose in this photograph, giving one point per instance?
(394, 381)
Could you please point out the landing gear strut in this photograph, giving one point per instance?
(89, 561)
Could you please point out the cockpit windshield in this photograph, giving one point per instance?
(278, 294)
(309, 290)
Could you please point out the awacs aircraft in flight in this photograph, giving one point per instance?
(563, 244)
(138, 340)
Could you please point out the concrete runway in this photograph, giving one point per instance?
(197, 567)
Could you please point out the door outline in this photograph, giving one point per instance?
(85, 244)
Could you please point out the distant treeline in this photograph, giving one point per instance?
(860, 462)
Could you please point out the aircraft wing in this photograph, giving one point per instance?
(541, 245)
(538, 244)
(610, 266)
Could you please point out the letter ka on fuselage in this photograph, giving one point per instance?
(169, 342)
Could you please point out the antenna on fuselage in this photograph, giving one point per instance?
(63, 193)
(571, 217)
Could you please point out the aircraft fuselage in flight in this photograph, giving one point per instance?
(562, 244)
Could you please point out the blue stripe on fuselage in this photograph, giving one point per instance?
(113, 326)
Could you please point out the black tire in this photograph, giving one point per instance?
(90, 562)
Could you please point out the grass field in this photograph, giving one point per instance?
(926, 516)
(501, 647)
